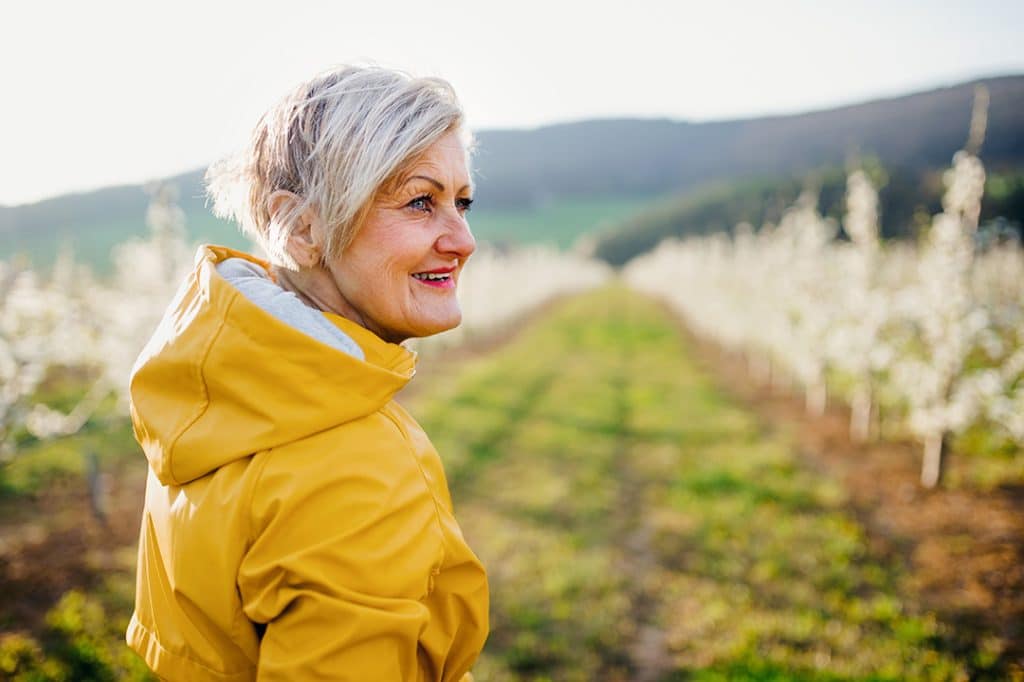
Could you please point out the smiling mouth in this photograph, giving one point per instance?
(440, 280)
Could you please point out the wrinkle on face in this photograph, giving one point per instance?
(373, 274)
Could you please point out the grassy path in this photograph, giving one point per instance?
(638, 525)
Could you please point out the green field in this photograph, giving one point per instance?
(636, 524)
(93, 242)
(558, 223)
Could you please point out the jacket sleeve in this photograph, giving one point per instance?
(342, 553)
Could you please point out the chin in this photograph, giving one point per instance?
(441, 323)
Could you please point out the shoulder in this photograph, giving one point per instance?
(375, 441)
(354, 491)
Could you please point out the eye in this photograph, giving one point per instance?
(422, 203)
(464, 204)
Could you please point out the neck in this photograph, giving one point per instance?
(316, 288)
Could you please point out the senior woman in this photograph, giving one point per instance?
(297, 522)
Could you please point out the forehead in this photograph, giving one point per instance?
(447, 156)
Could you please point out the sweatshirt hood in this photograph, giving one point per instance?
(222, 379)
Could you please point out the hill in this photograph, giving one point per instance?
(914, 132)
(907, 200)
(627, 162)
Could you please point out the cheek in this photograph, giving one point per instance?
(384, 283)
(384, 260)
(402, 258)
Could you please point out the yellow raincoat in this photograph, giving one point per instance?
(297, 523)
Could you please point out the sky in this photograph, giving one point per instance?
(106, 92)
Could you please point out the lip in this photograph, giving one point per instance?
(438, 283)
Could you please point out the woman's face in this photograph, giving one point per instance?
(400, 272)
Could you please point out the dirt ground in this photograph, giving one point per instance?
(56, 541)
(962, 549)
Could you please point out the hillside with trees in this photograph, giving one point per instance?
(914, 132)
(736, 162)
(906, 202)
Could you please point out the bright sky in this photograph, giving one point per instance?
(103, 92)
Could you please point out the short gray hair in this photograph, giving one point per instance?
(334, 141)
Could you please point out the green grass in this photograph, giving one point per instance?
(82, 639)
(93, 243)
(611, 489)
(37, 464)
(559, 223)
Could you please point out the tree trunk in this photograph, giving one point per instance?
(935, 446)
(860, 415)
(817, 398)
(97, 487)
(760, 368)
(780, 382)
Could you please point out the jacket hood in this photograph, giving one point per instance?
(222, 379)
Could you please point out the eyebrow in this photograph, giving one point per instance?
(432, 181)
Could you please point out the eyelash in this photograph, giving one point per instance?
(464, 204)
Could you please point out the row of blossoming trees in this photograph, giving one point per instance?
(929, 335)
(69, 320)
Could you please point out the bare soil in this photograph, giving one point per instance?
(56, 541)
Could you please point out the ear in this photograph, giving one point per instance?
(304, 243)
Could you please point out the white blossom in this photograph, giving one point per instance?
(894, 325)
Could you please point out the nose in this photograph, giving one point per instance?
(457, 239)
